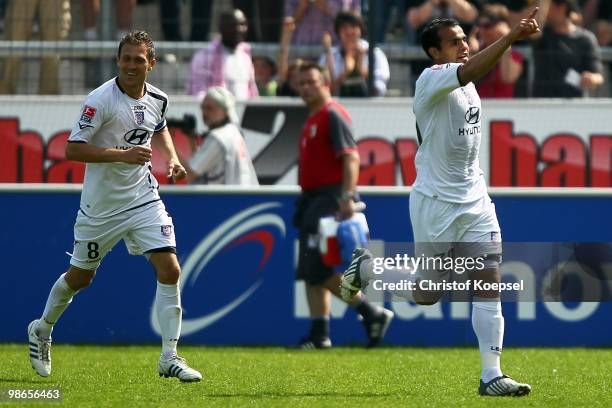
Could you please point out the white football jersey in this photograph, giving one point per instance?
(223, 158)
(112, 119)
(449, 132)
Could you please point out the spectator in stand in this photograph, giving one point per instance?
(290, 86)
(225, 62)
(348, 62)
(604, 23)
(263, 17)
(2, 10)
(383, 9)
(499, 82)
(54, 19)
(567, 57)
(589, 12)
(200, 19)
(90, 9)
(288, 74)
(313, 18)
(517, 9)
(420, 12)
(265, 76)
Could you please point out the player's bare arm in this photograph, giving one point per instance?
(163, 142)
(481, 63)
(350, 174)
(88, 153)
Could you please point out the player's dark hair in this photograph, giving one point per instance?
(349, 18)
(430, 35)
(308, 65)
(137, 38)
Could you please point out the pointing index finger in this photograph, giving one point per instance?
(533, 12)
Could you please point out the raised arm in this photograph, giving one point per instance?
(541, 16)
(299, 10)
(283, 52)
(481, 63)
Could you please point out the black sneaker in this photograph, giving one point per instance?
(503, 386)
(376, 327)
(310, 343)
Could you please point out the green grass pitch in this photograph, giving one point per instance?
(98, 376)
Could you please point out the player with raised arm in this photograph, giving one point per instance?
(450, 209)
(120, 200)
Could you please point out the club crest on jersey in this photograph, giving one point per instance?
(166, 230)
(88, 113)
(139, 117)
(313, 130)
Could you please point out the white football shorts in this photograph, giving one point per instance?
(444, 229)
(142, 229)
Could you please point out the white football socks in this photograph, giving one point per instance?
(59, 298)
(169, 316)
(488, 324)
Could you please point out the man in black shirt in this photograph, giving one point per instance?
(567, 57)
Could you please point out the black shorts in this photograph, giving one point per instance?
(310, 207)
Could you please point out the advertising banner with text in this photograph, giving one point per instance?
(525, 143)
(238, 252)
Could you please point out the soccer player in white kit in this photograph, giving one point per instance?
(450, 210)
(113, 135)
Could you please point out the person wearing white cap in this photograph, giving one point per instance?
(223, 157)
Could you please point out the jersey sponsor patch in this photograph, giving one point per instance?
(136, 137)
(472, 115)
(88, 114)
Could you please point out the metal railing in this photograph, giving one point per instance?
(397, 53)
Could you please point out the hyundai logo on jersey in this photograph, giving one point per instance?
(137, 137)
(472, 115)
